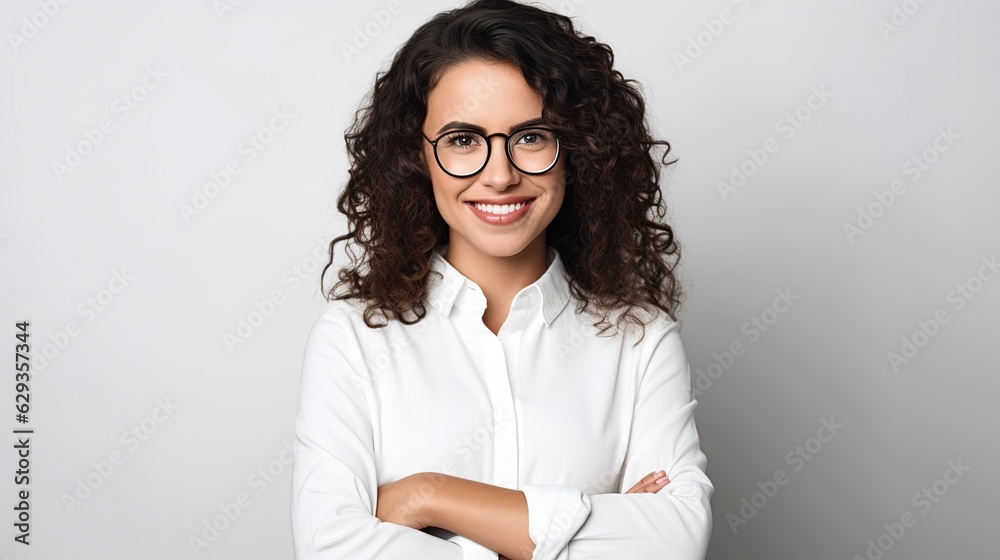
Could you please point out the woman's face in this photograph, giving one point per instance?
(494, 97)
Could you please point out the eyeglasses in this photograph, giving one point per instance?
(463, 153)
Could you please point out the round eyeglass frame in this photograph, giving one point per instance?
(489, 149)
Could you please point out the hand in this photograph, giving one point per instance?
(404, 502)
(649, 485)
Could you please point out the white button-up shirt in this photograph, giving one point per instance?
(545, 406)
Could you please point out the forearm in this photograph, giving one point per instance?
(494, 517)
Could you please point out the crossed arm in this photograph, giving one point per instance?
(339, 510)
(494, 517)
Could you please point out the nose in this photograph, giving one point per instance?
(499, 173)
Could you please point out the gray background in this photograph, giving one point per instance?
(163, 335)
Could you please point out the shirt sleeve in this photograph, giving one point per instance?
(676, 523)
(334, 483)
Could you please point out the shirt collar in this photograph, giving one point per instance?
(551, 290)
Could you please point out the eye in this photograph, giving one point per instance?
(462, 140)
(533, 138)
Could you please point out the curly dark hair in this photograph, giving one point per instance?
(609, 231)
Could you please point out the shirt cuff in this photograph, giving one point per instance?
(471, 550)
(555, 514)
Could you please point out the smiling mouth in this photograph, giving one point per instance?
(501, 209)
(501, 214)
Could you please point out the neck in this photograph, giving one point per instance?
(500, 277)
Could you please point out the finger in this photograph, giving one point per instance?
(656, 485)
(642, 483)
(654, 481)
(660, 481)
(646, 481)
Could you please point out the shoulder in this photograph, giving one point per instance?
(339, 313)
(661, 339)
(663, 352)
(639, 327)
(338, 329)
(334, 373)
(342, 322)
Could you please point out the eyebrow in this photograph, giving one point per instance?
(469, 126)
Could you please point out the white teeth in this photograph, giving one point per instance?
(499, 209)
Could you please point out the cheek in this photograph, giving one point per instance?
(446, 191)
(557, 201)
(558, 185)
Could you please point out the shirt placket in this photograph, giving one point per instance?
(505, 452)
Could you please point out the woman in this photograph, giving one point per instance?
(464, 398)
